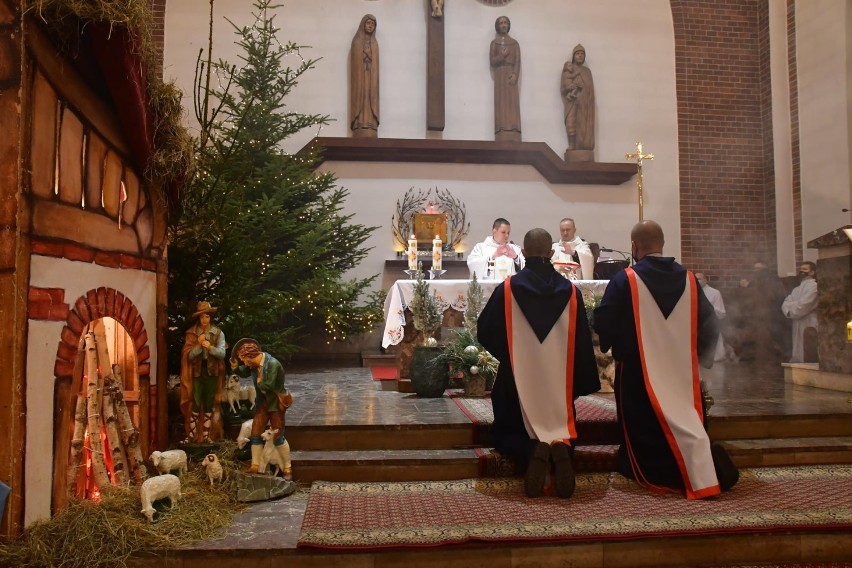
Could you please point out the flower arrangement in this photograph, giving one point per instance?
(466, 356)
(591, 301)
(425, 310)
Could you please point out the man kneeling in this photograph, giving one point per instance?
(535, 325)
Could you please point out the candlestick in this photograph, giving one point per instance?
(437, 254)
(412, 253)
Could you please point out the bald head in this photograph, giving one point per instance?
(646, 238)
(537, 242)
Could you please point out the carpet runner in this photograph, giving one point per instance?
(381, 373)
(593, 409)
(605, 506)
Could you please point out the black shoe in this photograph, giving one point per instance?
(537, 470)
(564, 474)
(726, 472)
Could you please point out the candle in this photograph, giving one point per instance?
(436, 253)
(412, 253)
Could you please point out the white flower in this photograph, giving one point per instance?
(430, 342)
(474, 370)
(471, 349)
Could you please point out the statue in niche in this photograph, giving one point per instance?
(364, 80)
(506, 66)
(578, 95)
(437, 8)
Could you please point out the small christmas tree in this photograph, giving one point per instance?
(261, 232)
(425, 310)
(474, 305)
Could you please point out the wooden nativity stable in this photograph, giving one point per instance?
(82, 268)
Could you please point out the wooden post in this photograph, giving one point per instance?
(94, 389)
(64, 424)
(129, 434)
(435, 71)
(116, 448)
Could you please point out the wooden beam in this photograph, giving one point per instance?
(435, 73)
(536, 154)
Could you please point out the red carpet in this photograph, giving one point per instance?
(384, 373)
(605, 506)
(590, 409)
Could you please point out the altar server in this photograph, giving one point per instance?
(535, 325)
(659, 325)
(496, 257)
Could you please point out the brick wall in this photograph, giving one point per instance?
(727, 188)
(158, 7)
(794, 128)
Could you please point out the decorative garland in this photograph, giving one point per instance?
(415, 201)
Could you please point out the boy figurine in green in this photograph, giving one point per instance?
(267, 375)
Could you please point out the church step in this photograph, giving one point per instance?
(790, 451)
(428, 465)
(379, 359)
(770, 427)
(380, 437)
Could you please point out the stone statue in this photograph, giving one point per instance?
(364, 80)
(437, 8)
(578, 94)
(506, 65)
(202, 377)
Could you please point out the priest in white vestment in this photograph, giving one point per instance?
(800, 306)
(572, 248)
(496, 258)
(715, 297)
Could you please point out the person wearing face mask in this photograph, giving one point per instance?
(715, 298)
(496, 253)
(800, 307)
(660, 326)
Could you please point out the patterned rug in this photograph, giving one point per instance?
(480, 411)
(604, 506)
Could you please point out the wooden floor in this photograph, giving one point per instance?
(343, 425)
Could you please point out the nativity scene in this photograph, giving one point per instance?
(228, 295)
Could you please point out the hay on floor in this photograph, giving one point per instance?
(107, 533)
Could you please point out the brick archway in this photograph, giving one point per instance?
(96, 304)
(93, 305)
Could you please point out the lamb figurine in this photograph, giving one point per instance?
(269, 456)
(213, 467)
(234, 394)
(165, 486)
(170, 460)
(245, 434)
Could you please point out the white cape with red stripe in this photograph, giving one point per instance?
(544, 371)
(670, 368)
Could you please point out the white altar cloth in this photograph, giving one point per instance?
(450, 294)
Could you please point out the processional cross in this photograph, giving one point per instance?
(639, 156)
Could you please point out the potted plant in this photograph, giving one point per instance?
(429, 378)
(606, 364)
(464, 355)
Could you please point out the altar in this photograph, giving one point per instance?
(452, 297)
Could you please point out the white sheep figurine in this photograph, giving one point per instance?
(165, 486)
(234, 393)
(245, 434)
(269, 455)
(213, 467)
(169, 461)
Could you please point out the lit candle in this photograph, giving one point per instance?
(437, 255)
(412, 253)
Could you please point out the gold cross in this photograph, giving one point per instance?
(639, 156)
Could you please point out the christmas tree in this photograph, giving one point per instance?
(260, 234)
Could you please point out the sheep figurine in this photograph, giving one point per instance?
(165, 486)
(234, 394)
(244, 435)
(169, 461)
(269, 455)
(213, 467)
